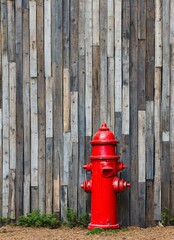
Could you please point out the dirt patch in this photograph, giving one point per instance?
(133, 233)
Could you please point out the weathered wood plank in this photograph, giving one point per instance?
(150, 49)
(141, 74)
(110, 28)
(96, 21)
(96, 88)
(142, 166)
(171, 22)
(12, 113)
(19, 109)
(141, 19)
(172, 129)
(149, 140)
(12, 177)
(26, 109)
(133, 116)
(111, 94)
(49, 107)
(34, 198)
(88, 61)
(6, 140)
(149, 203)
(81, 29)
(74, 19)
(66, 99)
(4, 24)
(103, 62)
(158, 33)
(1, 162)
(67, 153)
(118, 55)
(125, 100)
(157, 177)
(49, 175)
(11, 31)
(64, 202)
(41, 103)
(34, 132)
(47, 37)
(33, 47)
(66, 34)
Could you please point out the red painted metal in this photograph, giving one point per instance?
(105, 184)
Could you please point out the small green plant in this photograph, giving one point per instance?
(166, 217)
(36, 219)
(4, 221)
(74, 221)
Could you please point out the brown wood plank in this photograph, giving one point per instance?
(41, 104)
(150, 49)
(66, 33)
(34, 198)
(149, 203)
(11, 31)
(141, 74)
(96, 88)
(19, 111)
(141, 19)
(133, 115)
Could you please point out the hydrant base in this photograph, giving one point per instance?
(92, 226)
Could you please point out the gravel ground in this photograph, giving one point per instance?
(132, 233)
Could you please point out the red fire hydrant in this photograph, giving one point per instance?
(104, 184)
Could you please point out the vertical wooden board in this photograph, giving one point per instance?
(149, 203)
(81, 129)
(157, 177)
(49, 107)
(12, 177)
(96, 88)
(41, 103)
(34, 132)
(158, 33)
(64, 202)
(33, 47)
(133, 113)
(11, 31)
(118, 129)
(88, 64)
(67, 153)
(171, 22)
(47, 37)
(142, 146)
(165, 97)
(4, 24)
(74, 19)
(165, 176)
(34, 198)
(141, 74)
(66, 34)
(125, 196)
(150, 49)
(172, 129)
(66, 100)
(149, 140)
(26, 112)
(57, 64)
(126, 32)
(103, 62)
(74, 116)
(19, 109)
(25, 4)
(118, 55)
(49, 175)
(141, 19)
(96, 22)
(81, 29)
(142, 166)
(1, 163)
(0, 59)
(110, 28)
(111, 94)
(6, 140)
(12, 93)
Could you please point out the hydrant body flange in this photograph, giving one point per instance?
(105, 184)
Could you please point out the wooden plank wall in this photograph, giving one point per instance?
(66, 67)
